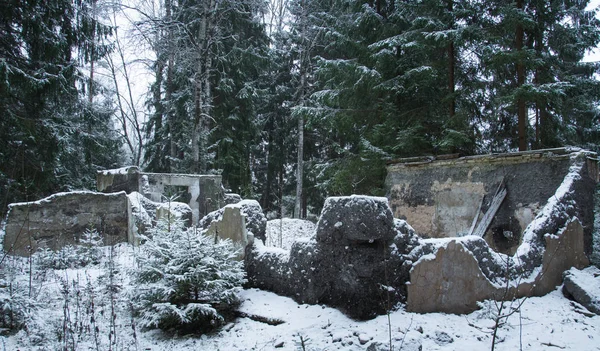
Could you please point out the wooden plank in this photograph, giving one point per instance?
(491, 212)
(476, 216)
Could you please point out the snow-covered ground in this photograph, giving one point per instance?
(549, 322)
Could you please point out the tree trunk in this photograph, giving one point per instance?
(521, 108)
(300, 167)
(300, 160)
(169, 86)
(451, 63)
(92, 54)
(198, 92)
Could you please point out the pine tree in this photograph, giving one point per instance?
(533, 51)
(216, 51)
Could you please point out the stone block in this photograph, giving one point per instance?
(358, 219)
(232, 226)
(583, 286)
(60, 219)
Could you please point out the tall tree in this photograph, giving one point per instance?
(46, 116)
(213, 52)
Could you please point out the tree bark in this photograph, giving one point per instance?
(521, 108)
(169, 86)
(300, 160)
(451, 64)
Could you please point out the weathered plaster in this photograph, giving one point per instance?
(451, 280)
(62, 218)
(205, 191)
(440, 198)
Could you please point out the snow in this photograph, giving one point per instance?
(588, 279)
(290, 230)
(543, 321)
(122, 170)
(63, 194)
(553, 202)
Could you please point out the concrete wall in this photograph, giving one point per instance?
(204, 192)
(452, 281)
(440, 198)
(61, 219)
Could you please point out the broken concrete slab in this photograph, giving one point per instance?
(351, 265)
(62, 218)
(583, 286)
(345, 265)
(348, 219)
(231, 226)
(255, 220)
(173, 211)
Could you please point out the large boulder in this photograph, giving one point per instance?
(584, 287)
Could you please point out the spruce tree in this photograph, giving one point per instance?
(46, 118)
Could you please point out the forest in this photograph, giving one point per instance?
(290, 100)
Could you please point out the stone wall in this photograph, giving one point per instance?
(60, 219)
(441, 197)
(349, 263)
(363, 261)
(203, 193)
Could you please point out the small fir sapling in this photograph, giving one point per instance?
(185, 280)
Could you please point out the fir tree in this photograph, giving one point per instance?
(185, 280)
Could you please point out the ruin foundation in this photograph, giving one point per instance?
(62, 218)
(364, 261)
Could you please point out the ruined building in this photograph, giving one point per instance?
(467, 229)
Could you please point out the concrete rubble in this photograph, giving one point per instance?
(364, 261)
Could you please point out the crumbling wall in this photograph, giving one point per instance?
(364, 261)
(441, 197)
(351, 262)
(204, 193)
(62, 218)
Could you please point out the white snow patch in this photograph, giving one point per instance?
(288, 230)
(63, 194)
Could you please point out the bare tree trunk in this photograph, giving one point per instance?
(199, 91)
(521, 107)
(300, 160)
(169, 85)
(300, 166)
(451, 63)
(127, 110)
(92, 54)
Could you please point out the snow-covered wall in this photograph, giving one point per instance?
(364, 261)
(62, 218)
(441, 197)
(204, 193)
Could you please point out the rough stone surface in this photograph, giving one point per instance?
(440, 198)
(203, 193)
(175, 211)
(460, 283)
(125, 179)
(60, 219)
(256, 221)
(584, 287)
(231, 226)
(231, 198)
(355, 219)
(349, 273)
(363, 261)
